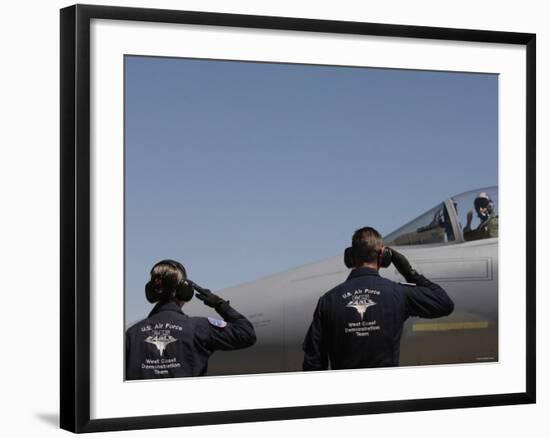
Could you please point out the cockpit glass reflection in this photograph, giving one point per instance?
(434, 226)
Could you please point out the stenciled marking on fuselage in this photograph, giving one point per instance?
(444, 326)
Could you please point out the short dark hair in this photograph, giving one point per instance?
(366, 243)
(166, 275)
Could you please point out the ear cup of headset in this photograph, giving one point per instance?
(384, 259)
(349, 260)
(184, 291)
(151, 294)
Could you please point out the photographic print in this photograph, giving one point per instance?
(244, 183)
(251, 204)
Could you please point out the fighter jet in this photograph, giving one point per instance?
(281, 306)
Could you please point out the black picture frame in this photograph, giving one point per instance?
(75, 217)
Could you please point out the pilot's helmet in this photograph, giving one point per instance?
(483, 201)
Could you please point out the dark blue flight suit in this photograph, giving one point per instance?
(359, 323)
(171, 344)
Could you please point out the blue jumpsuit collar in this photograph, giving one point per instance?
(164, 306)
(360, 272)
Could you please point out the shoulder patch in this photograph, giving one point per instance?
(404, 283)
(217, 322)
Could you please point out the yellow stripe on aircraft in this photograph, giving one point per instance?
(443, 326)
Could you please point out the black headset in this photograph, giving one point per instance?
(181, 290)
(384, 257)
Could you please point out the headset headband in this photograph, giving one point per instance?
(183, 289)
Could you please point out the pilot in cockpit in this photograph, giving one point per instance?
(488, 219)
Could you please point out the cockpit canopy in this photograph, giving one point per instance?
(448, 222)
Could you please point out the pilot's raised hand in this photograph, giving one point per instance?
(404, 267)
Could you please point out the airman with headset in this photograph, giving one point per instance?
(358, 324)
(169, 343)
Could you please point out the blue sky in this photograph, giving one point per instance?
(242, 169)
